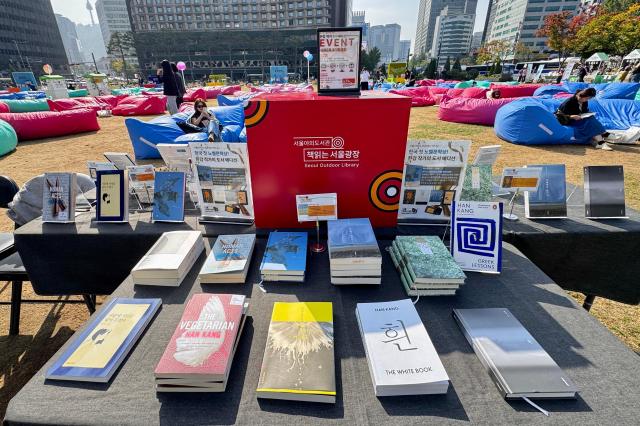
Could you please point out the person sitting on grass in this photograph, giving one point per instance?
(205, 120)
(570, 112)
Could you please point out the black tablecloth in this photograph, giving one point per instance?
(604, 369)
(598, 257)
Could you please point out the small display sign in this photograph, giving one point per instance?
(313, 207)
(339, 60)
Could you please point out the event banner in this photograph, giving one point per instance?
(433, 177)
(476, 236)
(278, 74)
(538, 73)
(224, 181)
(339, 60)
(304, 143)
(568, 70)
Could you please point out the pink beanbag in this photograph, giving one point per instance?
(140, 105)
(4, 107)
(515, 91)
(193, 94)
(186, 107)
(212, 91)
(470, 110)
(93, 103)
(474, 92)
(438, 90)
(454, 93)
(229, 90)
(420, 96)
(48, 124)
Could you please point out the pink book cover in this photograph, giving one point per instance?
(204, 338)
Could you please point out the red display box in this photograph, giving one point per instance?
(304, 143)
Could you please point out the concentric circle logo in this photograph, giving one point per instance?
(337, 142)
(255, 112)
(384, 191)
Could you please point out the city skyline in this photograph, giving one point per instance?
(378, 12)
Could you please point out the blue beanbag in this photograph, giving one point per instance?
(549, 90)
(145, 135)
(616, 114)
(617, 91)
(243, 135)
(192, 137)
(231, 133)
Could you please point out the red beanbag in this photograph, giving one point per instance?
(420, 96)
(438, 90)
(193, 94)
(213, 91)
(4, 107)
(454, 93)
(229, 90)
(518, 91)
(474, 92)
(470, 110)
(140, 105)
(48, 124)
(186, 107)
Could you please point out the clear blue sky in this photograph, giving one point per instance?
(378, 12)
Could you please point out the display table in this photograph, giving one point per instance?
(594, 257)
(602, 367)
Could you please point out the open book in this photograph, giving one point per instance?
(587, 114)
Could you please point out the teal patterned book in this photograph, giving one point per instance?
(477, 183)
(428, 260)
(418, 290)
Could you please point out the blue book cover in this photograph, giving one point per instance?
(112, 188)
(286, 252)
(549, 201)
(168, 199)
(97, 352)
(352, 238)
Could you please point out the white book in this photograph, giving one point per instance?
(280, 277)
(171, 257)
(356, 280)
(402, 359)
(376, 272)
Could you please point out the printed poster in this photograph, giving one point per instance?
(278, 74)
(432, 180)
(476, 236)
(224, 181)
(339, 60)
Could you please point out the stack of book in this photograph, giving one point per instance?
(402, 359)
(169, 260)
(425, 266)
(199, 355)
(354, 256)
(229, 260)
(285, 258)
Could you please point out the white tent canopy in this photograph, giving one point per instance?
(635, 54)
(598, 57)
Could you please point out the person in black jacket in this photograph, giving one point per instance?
(582, 73)
(569, 113)
(181, 88)
(170, 86)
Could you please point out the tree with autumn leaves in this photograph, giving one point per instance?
(616, 33)
(561, 30)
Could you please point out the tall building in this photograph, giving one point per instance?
(589, 7)
(476, 41)
(113, 17)
(516, 21)
(91, 41)
(405, 49)
(428, 12)
(29, 38)
(70, 41)
(452, 38)
(239, 39)
(387, 39)
(358, 20)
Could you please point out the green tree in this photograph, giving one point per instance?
(561, 29)
(493, 51)
(447, 65)
(456, 65)
(119, 44)
(612, 33)
(432, 68)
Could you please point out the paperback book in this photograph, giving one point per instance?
(487, 155)
(141, 182)
(478, 185)
(476, 236)
(224, 181)
(402, 359)
(121, 160)
(550, 200)
(201, 350)
(433, 177)
(285, 257)
(168, 198)
(112, 203)
(229, 259)
(177, 157)
(59, 197)
(354, 255)
(96, 353)
(94, 166)
(604, 192)
(298, 362)
(169, 260)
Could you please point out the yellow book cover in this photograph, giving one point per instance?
(299, 355)
(110, 195)
(100, 346)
